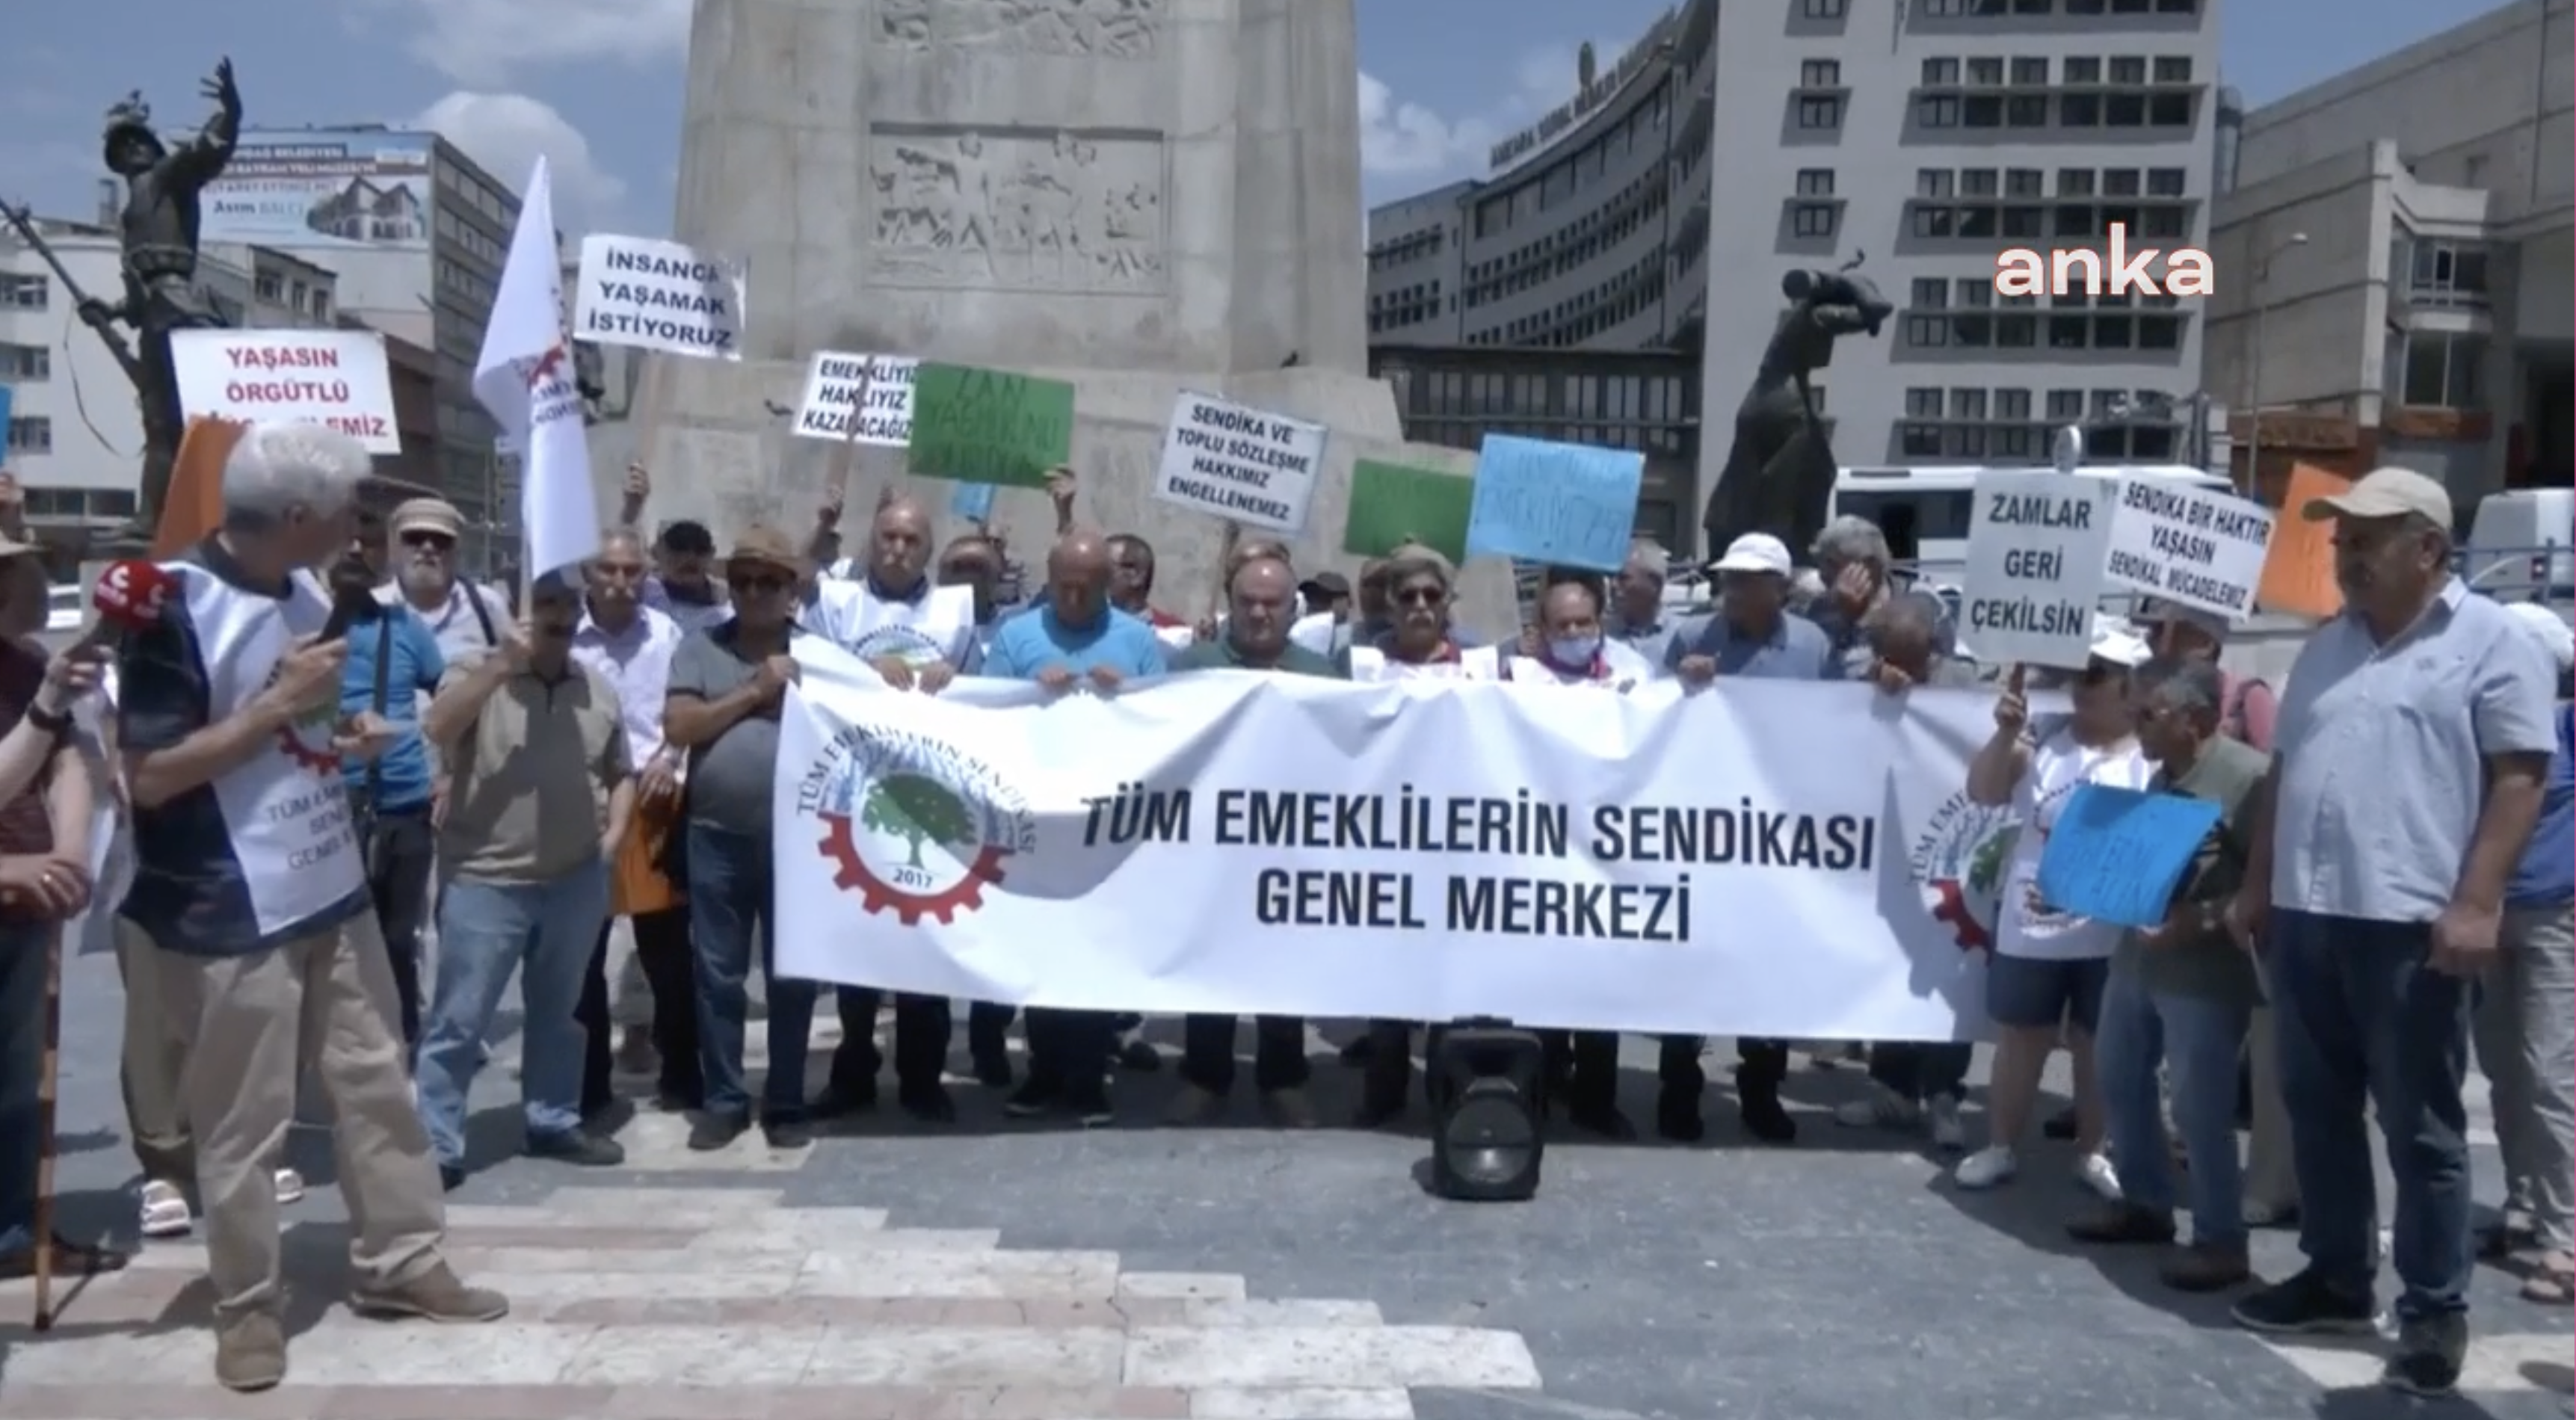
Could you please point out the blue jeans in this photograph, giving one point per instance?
(730, 890)
(2362, 1020)
(23, 955)
(2202, 1039)
(486, 930)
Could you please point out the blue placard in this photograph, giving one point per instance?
(4, 424)
(972, 501)
(1563, 505)
(2116, 855)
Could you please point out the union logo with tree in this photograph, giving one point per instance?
(914, 826)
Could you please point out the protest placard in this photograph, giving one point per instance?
(658, 295)
(836, 382)
(2200, 547)
(1564, 505)
(989, 426)
(1393, 504)
(2298, 567)
(333, 377)
(973, 502)
(1248, 466)
(2116, 855)
(2036, 541)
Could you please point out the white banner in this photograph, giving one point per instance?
(1239, 463)
(333, 377)
(2202, 547)
(1231, 842)
(658, 295)
(836, 383)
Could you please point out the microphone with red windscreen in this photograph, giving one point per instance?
(131, 595)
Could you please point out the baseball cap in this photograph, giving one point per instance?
(2385, 493)
(2117, 642)
(1755, 552)
(2548, 629)
(434, 515)
(1325, 586)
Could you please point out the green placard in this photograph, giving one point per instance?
(989, 426)
(1393, 504)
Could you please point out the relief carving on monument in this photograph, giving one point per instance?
(1015, 210)
(1069, 29)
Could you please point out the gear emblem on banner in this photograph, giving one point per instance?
(918, 829)
(1958, 866)
(306, 740)
(852, 874)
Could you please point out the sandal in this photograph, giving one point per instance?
(71, 1259)
(2551, 1280)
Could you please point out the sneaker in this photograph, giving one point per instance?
(435, 1295)
(579, 1147)
(250, 1352)
(1992, 1165)
(1948, 1134)
(165, 1210)
(786, 1132)
(290, 1187)
(2094, 1172)
(1883, 1108)
(2430, 1352)
(2308, 1305)
(717, 1129)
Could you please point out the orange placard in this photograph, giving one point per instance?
(194, 505)
(639, 885)
(2298, 567)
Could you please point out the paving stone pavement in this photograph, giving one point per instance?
(1011, 1272)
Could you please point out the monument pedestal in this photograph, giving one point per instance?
(1139, 196)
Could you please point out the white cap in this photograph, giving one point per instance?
(1755, 552)
(2118, 642)
(2549, 629)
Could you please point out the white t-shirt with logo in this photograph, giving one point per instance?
(2058, 765)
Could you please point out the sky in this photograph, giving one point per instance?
(595, 85)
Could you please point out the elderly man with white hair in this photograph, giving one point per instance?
(250, 885)
(1858, 572)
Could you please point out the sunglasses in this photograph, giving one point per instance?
(437, 541)
(1420, 596)
(756, 584)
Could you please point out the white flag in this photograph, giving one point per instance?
(525, 378)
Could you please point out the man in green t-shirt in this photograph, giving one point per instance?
(2183, 993)
(1262, 605)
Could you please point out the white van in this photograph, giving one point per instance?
(2519, 545)
(1930, 507)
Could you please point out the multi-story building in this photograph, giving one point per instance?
(416, 233)
(1587, 230)
(1927, 142)
(2400, 238)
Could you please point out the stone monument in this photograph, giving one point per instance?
(1779, 472)
(1139, 196)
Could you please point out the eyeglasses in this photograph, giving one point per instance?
(423, 537)
(754, 584)
(1420, 596)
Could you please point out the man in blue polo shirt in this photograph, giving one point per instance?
(1754, 636)
(393, 661)
(1075, 638)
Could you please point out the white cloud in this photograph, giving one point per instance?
(506, 132)
(483, 43)
(1404, 139)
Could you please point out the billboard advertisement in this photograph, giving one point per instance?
(323, 187)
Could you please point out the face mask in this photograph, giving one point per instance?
(1576, 652)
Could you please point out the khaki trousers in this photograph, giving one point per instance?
(249, 1027)
(151, 1069)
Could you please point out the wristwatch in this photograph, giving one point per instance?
(56, 723)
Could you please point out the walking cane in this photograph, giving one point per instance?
(48, 1083)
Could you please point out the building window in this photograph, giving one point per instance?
(1933, 182)
(270, 287)
(26, 362)
(2066, 332)
(2129, 69)
(2030, 71)
(1925, 332)
(1820, 113)
(1940, 73)
(2079, 69)
(1931, 293)
(2080, 111)
(2016, 332)
(1814, 219)
(1820, 74)
(2024, 223)
(1823, 9)
(1936, 111)
(2026, 111)
(2442, 370)
(2173, 68)
(1968, 406)
(1985, 73)
(2169, 111)
(2447, 273)
(2166, 182)
(1935, 223)
(1815, 182)
(26, 293)
(31, 435)
(1983, 111)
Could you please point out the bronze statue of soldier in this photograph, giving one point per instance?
(1779, 473)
